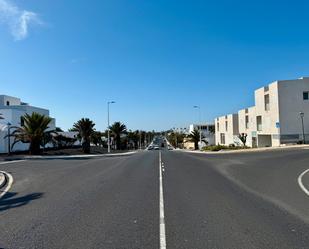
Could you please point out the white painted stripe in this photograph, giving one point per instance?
(8, 185)
(300, 182)
(16, 161)
(162, 218)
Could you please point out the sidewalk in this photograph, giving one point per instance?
(306, 146)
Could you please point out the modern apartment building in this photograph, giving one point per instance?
(226, 128)
(12, 110)
(276, 118)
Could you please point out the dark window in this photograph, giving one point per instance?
(7, 102)
(22, 121)
(266, 102)
(305, 95)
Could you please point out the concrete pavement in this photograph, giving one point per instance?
(249, 200)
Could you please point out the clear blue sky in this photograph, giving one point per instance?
(156, 58)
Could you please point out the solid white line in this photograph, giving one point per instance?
(300, 182)
(162, 219)
(9, 184)
(15, 161)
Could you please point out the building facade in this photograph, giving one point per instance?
(226, 128)
(12, 110)
(280, 115)
(208, 132)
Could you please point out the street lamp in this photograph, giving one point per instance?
(200, 126)
(301, 114)
(9, 138)
(108, 128)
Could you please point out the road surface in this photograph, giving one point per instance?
(247, 200)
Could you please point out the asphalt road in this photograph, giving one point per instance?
(248, 200)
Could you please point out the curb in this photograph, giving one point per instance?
(78, 156)
(2, 180)
(256, 150)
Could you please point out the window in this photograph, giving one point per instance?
(222, 138)
(259, 123)
(226, 125)
(247, 122)
(218, 126)
(22, 121)
(7, 102)
(305, 95)
(266, 102)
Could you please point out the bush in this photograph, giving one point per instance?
(223, 147)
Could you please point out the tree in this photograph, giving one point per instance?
(33, 131)
(117, 130)
(243, 138)
(195, 138)
(85, 129)
(58, 129)
(96, 138)
(133, 138)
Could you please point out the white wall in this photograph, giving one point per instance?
(13, 114)
(11, 100)
(231, 132)
(291, 103)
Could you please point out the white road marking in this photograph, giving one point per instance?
(300, 182)
(16, 161)
(162, 219)
(8, 185)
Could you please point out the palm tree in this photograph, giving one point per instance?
(33, 131)
(195, 138)
(117, 130)
(85, 129)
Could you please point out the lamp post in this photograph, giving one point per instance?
(200, 126)
(9, 138)
(301, 114)
(108, 128)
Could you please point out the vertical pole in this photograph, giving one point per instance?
(200, 127)
(9, 141)
(108, 132)
(302, 122)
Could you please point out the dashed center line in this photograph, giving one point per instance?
(162, 218)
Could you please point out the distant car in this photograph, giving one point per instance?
(156, 148)
(150, 147)
(170, 148)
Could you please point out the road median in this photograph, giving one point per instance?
(79, 156)
(264, 149)
(2, 180)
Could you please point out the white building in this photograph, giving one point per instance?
(226, 128)
(12, 110)
(275, 119)
(207, 131)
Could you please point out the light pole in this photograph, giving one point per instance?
(200, 126)
(108, 128)
(301, 114)
(9, 139)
